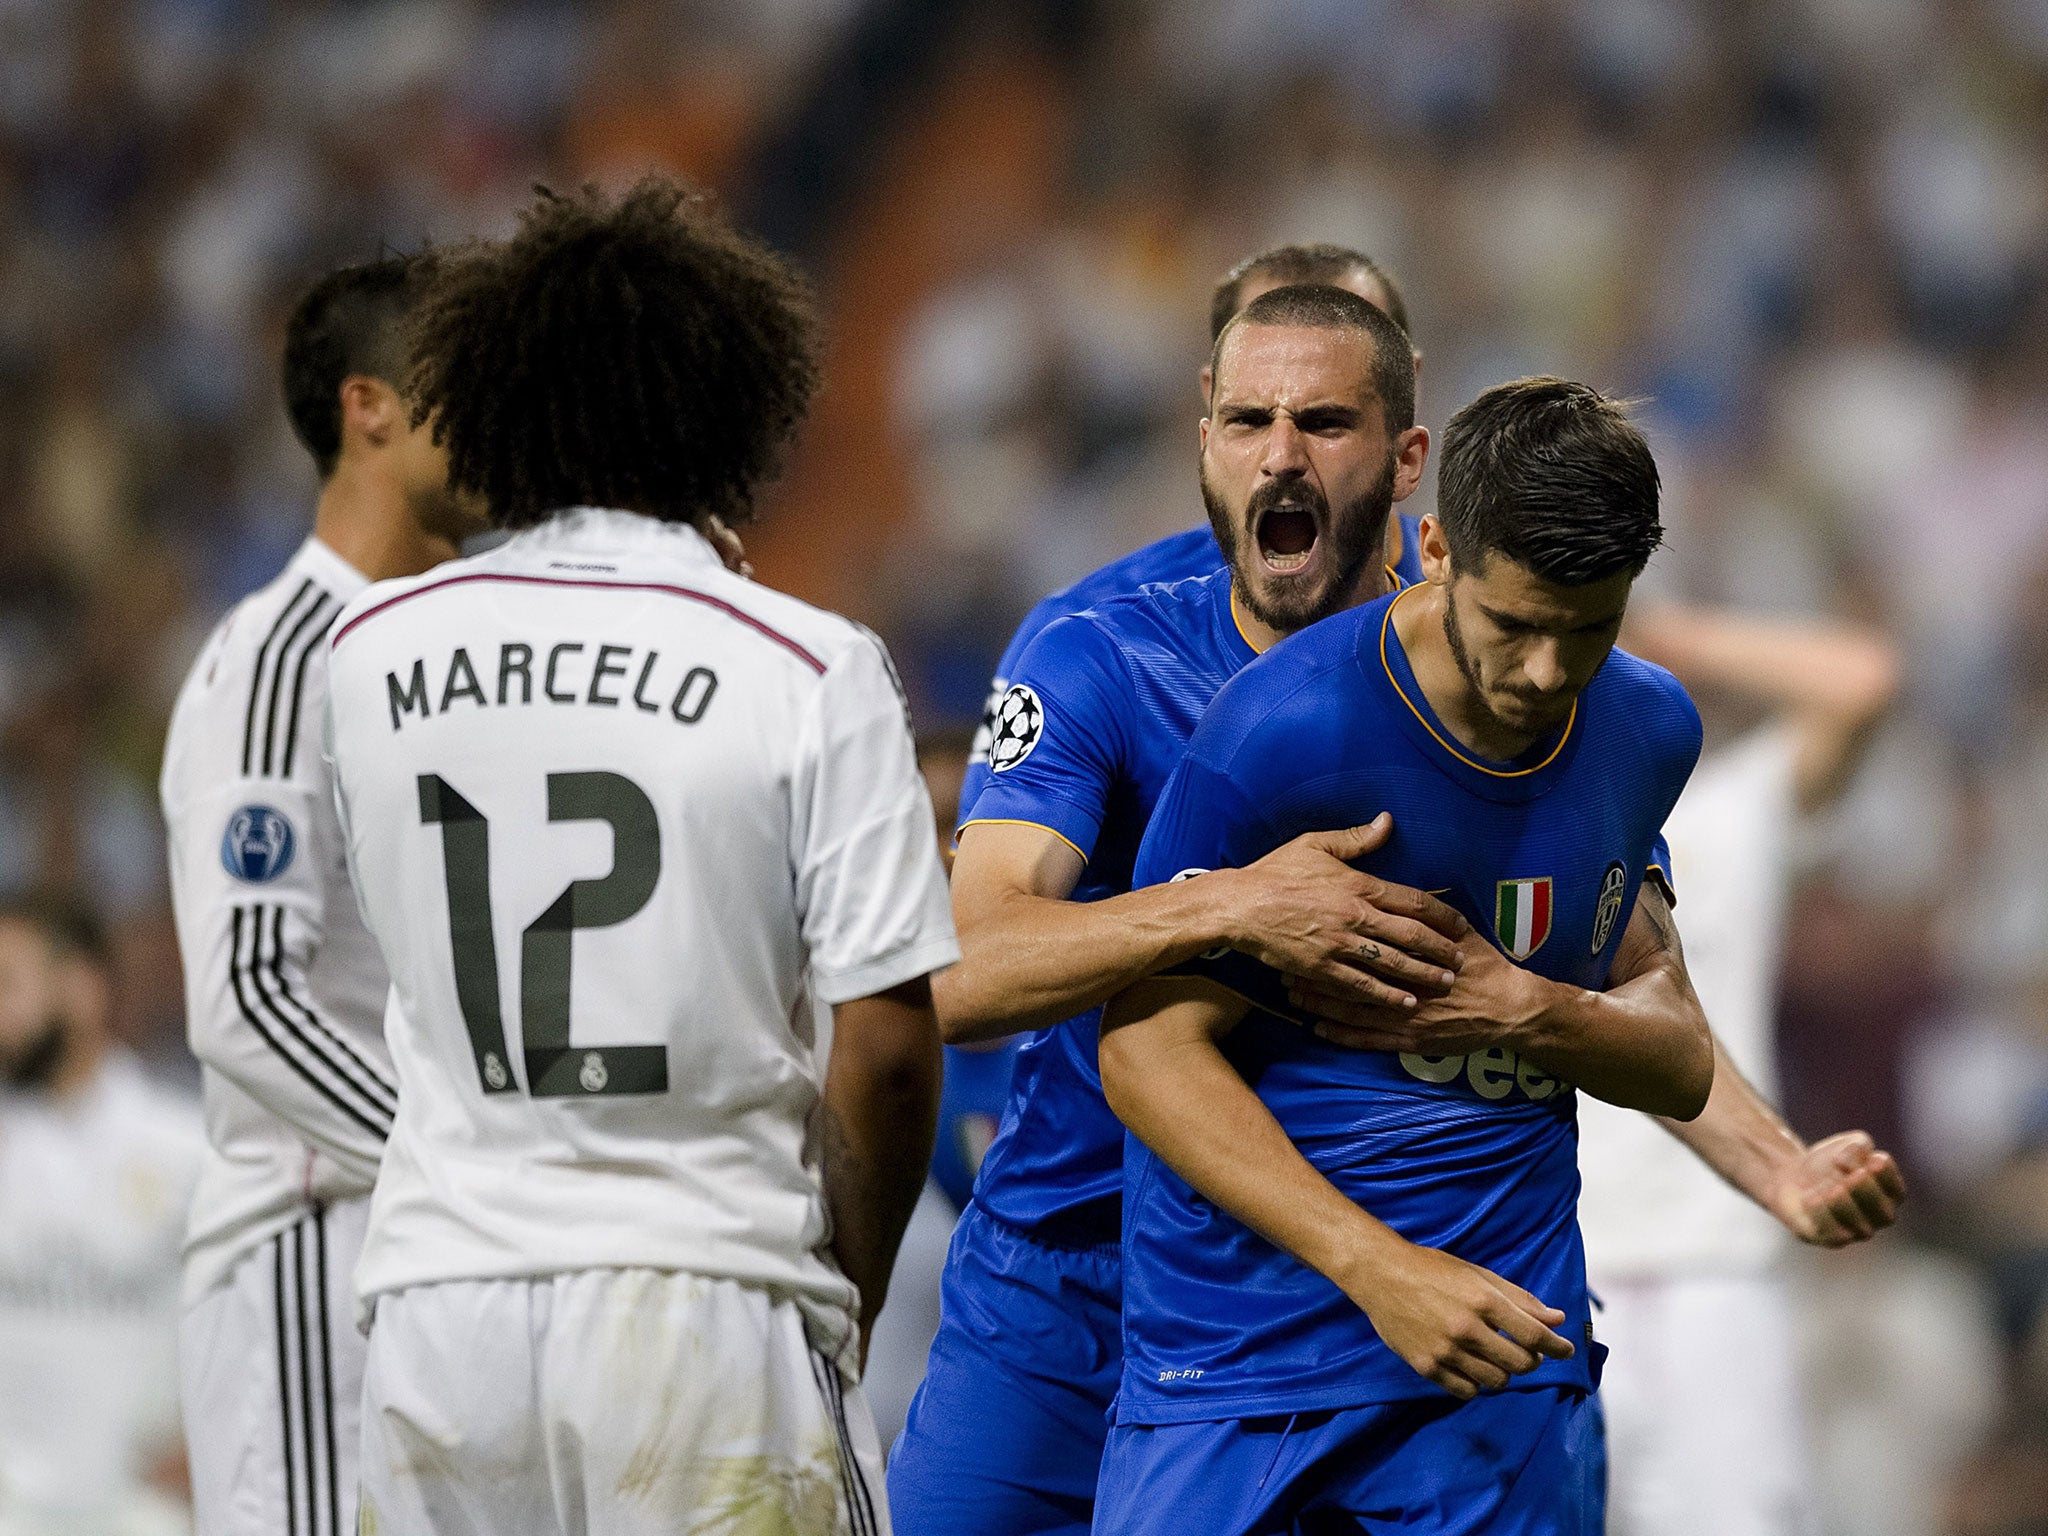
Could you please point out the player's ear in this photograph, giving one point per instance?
(1434, 552)
(1411, 454)
(371, 411)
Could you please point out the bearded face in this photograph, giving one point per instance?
(1294, 557)
(1299, 471)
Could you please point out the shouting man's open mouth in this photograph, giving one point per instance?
(1289, 532)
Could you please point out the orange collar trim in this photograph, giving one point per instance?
(1386, 625)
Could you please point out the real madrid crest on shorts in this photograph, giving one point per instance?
(1612, 884)
(258, 844)
(1019, 722)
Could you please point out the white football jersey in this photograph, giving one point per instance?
(1648, 1206)
(93, 1191)
(619, 819)
(284, 988)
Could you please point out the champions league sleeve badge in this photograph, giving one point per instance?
(258, 844)
(1019, 722)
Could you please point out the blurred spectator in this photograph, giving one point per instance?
(96, 1167)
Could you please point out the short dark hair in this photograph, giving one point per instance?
(1552, 474)
(640, 354)
(1287, 265)
(68, 923)
(1323, 308)
(351, 322)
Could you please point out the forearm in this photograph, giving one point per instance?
(1029, 961)
(1166, 1079)
(879, 1113)
(1740, 1136)
(1643, 1044)
(252, 1020)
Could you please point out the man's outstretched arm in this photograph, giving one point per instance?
(1030, 957)
(1829, 684)
(1842, 1189)
(1460, 1326)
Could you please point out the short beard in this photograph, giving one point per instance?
(1357, 537)
(1455, 639)
(34, 1067)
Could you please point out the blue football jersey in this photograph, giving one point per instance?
(1177, 557)
(1095, 720)
(1476, 1155)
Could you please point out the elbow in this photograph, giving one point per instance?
(1114, 1053)
(1685, 1094)
(962, 1016)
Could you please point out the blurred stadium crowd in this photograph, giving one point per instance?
(1812, 233)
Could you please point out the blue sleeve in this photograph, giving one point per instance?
(1677, 745)
(1205, 821)
(1659, 869)
(1058, 740)
(977, 777)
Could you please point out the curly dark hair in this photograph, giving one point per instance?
(640, 354)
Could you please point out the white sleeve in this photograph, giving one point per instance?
(871, 892)
(256, 858)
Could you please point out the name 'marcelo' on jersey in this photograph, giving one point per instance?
(620, 819)
(1474, 1154)
(284, 988)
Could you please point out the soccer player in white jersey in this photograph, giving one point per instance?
(621, 821)
(96, 1167)
(284, 987)
(1701, 1391)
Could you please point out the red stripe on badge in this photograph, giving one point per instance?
(705, 598)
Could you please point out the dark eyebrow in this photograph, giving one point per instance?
(1244, 411)
(1514, 621)
(1333, 415)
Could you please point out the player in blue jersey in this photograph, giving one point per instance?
(1335, 1260)
(1194, 551)
(1006, 1431)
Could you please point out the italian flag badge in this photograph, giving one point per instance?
(1521, 915)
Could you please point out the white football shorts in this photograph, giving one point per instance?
(271, 1374)
(611, 1402)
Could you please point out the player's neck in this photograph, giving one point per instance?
(1374, 581)
(366, 520)
(1419, 625)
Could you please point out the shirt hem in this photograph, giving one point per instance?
(1352, 1395)
(893, 970)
